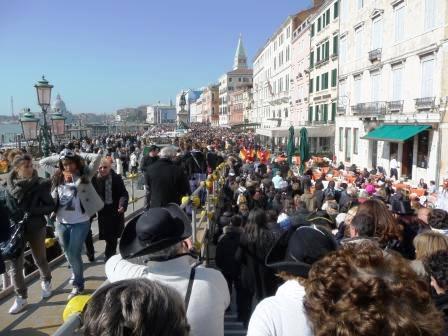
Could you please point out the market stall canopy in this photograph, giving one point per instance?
(395, 133)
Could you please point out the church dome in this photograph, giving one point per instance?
(59, 105)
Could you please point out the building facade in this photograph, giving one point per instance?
(239, 104)
(240, 76)
(276, 78)
(300, 47)
(323, 75)
(160, 114)
(393, 86)
(210, 105)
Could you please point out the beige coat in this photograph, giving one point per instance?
(90, 200)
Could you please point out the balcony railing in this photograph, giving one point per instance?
(370, 109)
(375, 55)
(426, 103)
(342, 110)
(395, 106)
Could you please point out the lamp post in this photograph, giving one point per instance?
(57, 125)
(43, 90)
(29, 124)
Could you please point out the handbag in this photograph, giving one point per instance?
(14, 246)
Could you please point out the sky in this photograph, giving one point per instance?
(102, 55)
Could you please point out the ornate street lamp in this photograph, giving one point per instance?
(43, 90)
(57, 123)
(29, 124)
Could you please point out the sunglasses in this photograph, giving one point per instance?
(66, 154)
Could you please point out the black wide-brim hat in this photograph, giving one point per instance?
(296, 250)
(154, 230)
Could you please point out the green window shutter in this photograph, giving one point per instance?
(310, 114)
(334, 75)
(327, 49)
(325, 112)
(335, 44)
(312, 30)
(311, 59)
(311, 85)
(336, 9)
(319, 24)
(316, 113)
(318, 54)
(327, 17)
(317, 83)
(333, 111)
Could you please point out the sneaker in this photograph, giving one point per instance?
(46, 289)
(75, 291)
(18, 305)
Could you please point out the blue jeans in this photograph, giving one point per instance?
(72, 237)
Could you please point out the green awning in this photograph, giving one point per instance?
(395, 133)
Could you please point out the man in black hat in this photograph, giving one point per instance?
(159, 242)
(292, 256)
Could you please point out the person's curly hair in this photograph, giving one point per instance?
(438, 219)
(386, 227)
(437, 266)
(136, 307)
(360, 290)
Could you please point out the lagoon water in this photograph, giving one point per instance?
(7, 132)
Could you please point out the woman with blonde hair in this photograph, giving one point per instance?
(425, 244)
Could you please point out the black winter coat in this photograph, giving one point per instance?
(256, 277)
(37, 203)
(195, 163)
(167, 183)
(110, 221)
(226, 250)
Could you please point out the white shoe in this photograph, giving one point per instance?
(18, 305)
(75, 291)
(46, 289)
(72, 278)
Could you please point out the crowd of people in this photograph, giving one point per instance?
(334, 250)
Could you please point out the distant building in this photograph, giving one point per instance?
(239, 103)
(131, 114)
(160, 114)
(59, 106)
(210, 105)
(240, 76)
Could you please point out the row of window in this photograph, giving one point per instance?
(322, 81)
(395, 93)
(325, 18)
(320, 113)
(322, 52)
(399, 28)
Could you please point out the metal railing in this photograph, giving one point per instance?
(395, 106)
(426, 103)
(371, 109)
